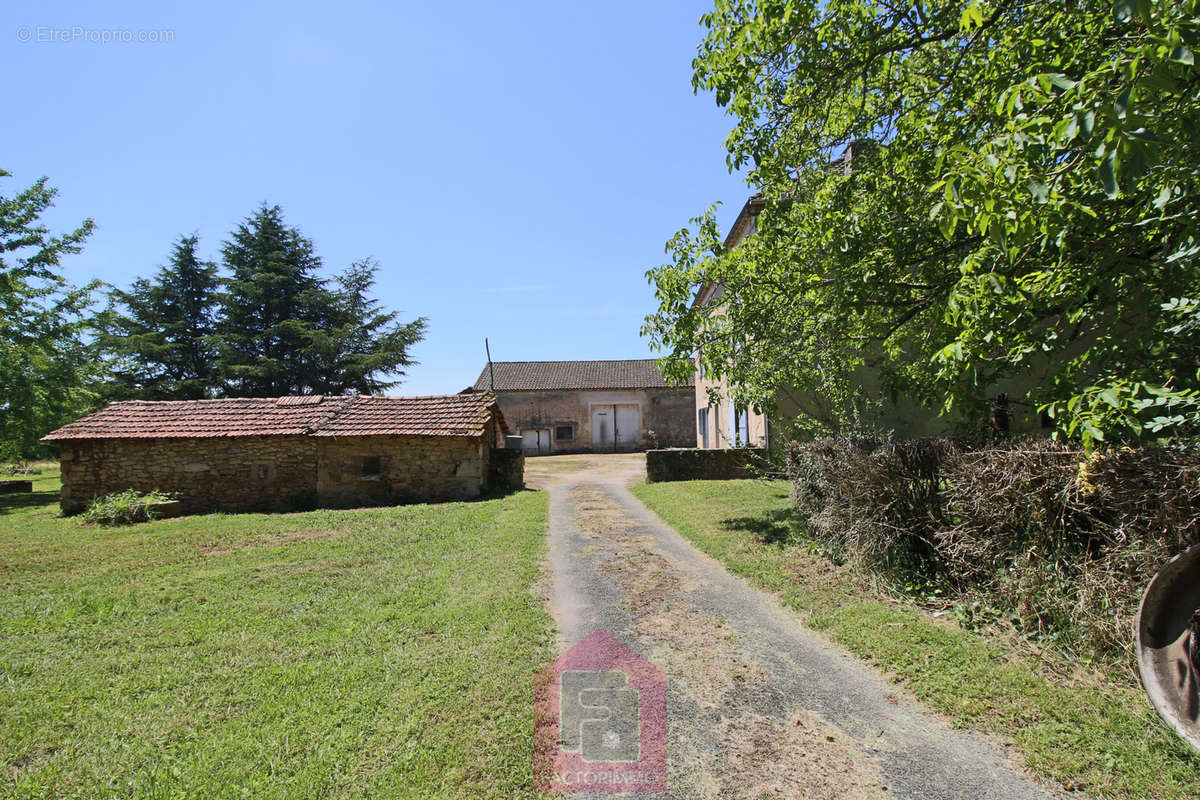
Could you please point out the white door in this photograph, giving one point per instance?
(628, 431)
(615, 426)
(602, 427)
(535, 441)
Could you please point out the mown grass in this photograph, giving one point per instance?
(1092, 735)
(368, 653)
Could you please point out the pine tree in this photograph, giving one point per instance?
(274, 306)
(163, 344)
(285, 330)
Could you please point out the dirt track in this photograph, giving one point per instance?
(758, 705)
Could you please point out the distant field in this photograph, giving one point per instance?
(1082, 732)
(371, 653)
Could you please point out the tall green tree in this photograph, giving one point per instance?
(160, 333)
(46, 365)
(285, 330)
(274, 303)
(1030, 211)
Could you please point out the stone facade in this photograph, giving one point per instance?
(665, 417)
(248, 473)
(383, 470)
(718, 424)
(285, 453)
(282, 473)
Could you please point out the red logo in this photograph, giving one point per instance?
(600, 720)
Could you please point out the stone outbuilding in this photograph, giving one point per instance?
(290, 453)
(591, 406)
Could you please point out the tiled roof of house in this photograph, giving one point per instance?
(532, 376)
(455, 415)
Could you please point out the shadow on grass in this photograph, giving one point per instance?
(11, 503)
(772, 527)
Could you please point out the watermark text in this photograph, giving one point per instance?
(50, 34)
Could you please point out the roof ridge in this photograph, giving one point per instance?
(565, 375)
(264, 399)
(338, 410)
(455, 396)
(576, 361)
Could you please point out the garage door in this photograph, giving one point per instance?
(616, 427)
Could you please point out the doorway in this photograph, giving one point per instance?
(616, 426)
(535, 441)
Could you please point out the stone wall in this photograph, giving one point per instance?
(384, 470)
(281, 473)
(697, 464)
(667, 412)
(251, 473)
(506, 471)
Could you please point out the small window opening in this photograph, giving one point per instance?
(564, 433)
(371, 465)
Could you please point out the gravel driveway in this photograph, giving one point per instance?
(758, 705)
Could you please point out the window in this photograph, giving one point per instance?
(371, 465)
(564, 433)
(739, 427)
(702, 426)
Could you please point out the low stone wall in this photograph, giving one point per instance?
(506, 470)
(695, 464)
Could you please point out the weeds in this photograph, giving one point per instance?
(123, 508)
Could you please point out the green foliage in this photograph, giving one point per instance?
(160, 333)
(1027, 214)
(272, 326)
(283, 330)
(46, 365)
(123, 508)
(273, 304)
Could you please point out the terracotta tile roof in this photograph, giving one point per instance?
(532, 376)
(455, 415)
(450, 415)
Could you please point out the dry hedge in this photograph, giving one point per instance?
(1058, 542)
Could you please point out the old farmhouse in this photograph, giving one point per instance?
(591, 406)
(267, 454)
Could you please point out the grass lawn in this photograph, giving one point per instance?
(1086, 733)
(370, 653)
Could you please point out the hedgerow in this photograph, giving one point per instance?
(1040, 536)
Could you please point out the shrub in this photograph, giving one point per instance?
(1059, 542)
(123, 508)
(873, 500)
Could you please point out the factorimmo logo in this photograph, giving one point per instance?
(601, 720)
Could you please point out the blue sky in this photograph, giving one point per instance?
(514, 167)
